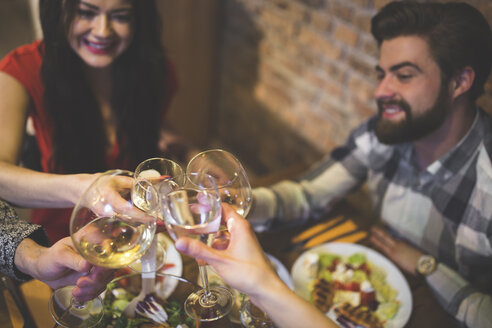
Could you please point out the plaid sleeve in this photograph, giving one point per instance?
(12, 232)
(315, 193)
(468, 305)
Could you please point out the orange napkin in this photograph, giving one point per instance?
(331, 233)
(308, 233)
(353, 238)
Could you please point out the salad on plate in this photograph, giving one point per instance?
(353, 285)
(165, 312)
(169, 294)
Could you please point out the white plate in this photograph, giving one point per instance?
(172, 257)
(394, 277)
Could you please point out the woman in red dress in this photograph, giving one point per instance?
(96, 89)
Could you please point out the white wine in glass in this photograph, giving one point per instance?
(108, 230)
(160, 172)
(194, 211)
(230, 176)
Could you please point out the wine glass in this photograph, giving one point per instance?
(108, 230)
(159, 171)
(231, 178)
(232, 182)
(253, 317)
(194, 210)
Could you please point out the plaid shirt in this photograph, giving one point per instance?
(444, 210)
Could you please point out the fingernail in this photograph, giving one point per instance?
(81, 266)
(229, 223)
(180, 245)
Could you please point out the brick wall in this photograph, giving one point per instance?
(295, 76)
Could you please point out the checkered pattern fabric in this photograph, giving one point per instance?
(444, 210)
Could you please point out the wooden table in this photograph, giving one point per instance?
(426, 311)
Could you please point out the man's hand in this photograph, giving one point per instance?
(60, 265)
(404, 255)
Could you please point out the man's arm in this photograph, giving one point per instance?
(456, 295)
(459, 298)
(24, 256)
(12, 232)
(60, 265)
(315, 193)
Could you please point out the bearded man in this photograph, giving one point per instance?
(425, 156)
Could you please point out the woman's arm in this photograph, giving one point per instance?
(22, 186)
(244, 257)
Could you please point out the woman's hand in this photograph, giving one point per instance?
(241, 257)
(242, 264)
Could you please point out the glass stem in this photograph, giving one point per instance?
(76, 304)
(204, 277)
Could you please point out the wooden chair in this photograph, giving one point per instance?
(14, 290)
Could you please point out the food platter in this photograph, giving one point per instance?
(302, 280)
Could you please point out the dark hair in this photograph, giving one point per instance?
(80, 142)
(457, 33)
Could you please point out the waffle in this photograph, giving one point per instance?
(360, 315)
(323, 294)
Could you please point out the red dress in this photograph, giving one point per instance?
(24, 64)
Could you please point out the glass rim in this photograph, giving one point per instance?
(138, 169)
(218, 150)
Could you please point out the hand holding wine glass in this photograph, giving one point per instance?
(161, 173)
(194, 210)
(109, 231)
(244, 257)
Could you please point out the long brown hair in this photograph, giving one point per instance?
(138, 92)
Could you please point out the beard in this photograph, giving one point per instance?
(412, 128)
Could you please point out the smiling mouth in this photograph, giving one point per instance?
(390, 110)
(98, 47)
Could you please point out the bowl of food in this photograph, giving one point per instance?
(162, 307)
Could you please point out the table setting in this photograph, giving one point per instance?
(133, 231)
